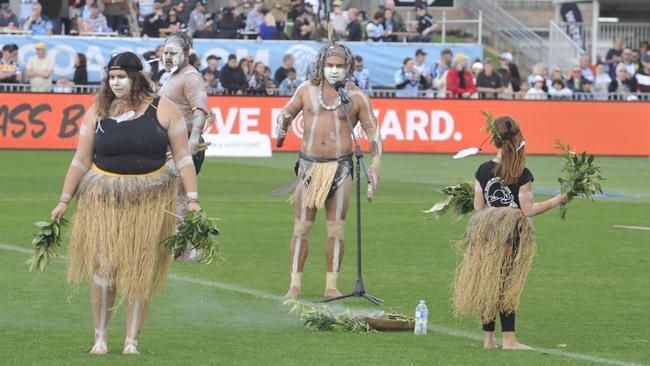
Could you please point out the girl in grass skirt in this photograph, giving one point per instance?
(499, 242)
(125, 195)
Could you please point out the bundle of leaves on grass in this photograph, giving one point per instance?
(460, 198)
(46, 241)
(200, 232)
(322, 317)
(579, 175)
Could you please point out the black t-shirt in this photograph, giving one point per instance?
(354, 31)
(492, 81)
(424, 22)
(496, 194)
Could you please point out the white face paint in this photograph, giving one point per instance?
(172, 56)
(334, 74)
(120, 84)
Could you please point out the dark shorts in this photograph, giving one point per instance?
(343, 170)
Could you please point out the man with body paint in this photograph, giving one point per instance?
(186, 88)
(325, 165)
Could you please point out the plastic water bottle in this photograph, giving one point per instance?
(421, 314)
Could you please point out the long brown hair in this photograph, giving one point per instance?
(141, 89)
(513, 153)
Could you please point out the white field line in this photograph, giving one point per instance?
(435, 328)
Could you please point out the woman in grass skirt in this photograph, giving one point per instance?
(499, 242)
(126, 196)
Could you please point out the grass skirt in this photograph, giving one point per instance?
(499, 246)
(118, 229)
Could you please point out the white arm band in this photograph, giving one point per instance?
(79, 165)
(192, 195)
(182, 163)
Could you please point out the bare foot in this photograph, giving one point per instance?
(332, 292)
(293, 293)
(489, 341)
(517, 346)
(99, 349)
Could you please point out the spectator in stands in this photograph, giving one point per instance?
(488, 82)
(246, 68)
(213, 66)
(601, 82)
(268, 27)
(7, 18)
(115, 12)
(211, 82)
(154, 59)
(523, 89)
(626, 59)
(426, 24)
(154, 21)
(283, 70)
(257, 84)
(588, 70)
(304, 26)
(174, 22)
(360, 75)
(353, 30)
(574, 81)
(80, 72)
(182, 14)
(556, 74)
(407, 81)
(228, 24)
(390, 26)
(459, 80)
(280, 10)
(641, 80)
(268, 74)
(195, 61)
(295, 9)
(339, 19)
(375, 30)
(644, 46)
(421, 67)
(585, 90)
(559, 91)
(616, 51)
(636, 58)
(439, 73)
(507, 63)
(398, 21)
(199, 26)
(232, 77)
(40, 69)
(539, 69)
(622, 84)
(39, 24)
(290, 84)
(536, 92)
(255, 18)
(507, 92)
(96, 21)
(247, 7)
(10, 71)
(477, 68)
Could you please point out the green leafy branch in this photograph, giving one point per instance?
(200, 232)
(459, 198)
(46, 242)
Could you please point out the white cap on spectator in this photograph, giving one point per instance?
(506, 56)
(537, 78)
(477, 66)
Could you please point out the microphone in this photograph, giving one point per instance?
(340, 87)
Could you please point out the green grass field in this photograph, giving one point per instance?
(587, 300)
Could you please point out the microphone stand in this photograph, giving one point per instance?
(359, 289)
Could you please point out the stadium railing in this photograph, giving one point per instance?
(373, 93)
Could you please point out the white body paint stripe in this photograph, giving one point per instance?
(438, 329)
(296, 255)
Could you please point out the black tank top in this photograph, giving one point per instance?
(135, 146)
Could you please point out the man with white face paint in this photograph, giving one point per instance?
(325, 166)
(186, 88)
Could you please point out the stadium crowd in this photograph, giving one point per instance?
(622, 75)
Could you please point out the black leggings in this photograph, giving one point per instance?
(507, 323)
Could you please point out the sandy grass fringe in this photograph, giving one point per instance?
(318, 182)
(118, 229)
(491, 276)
